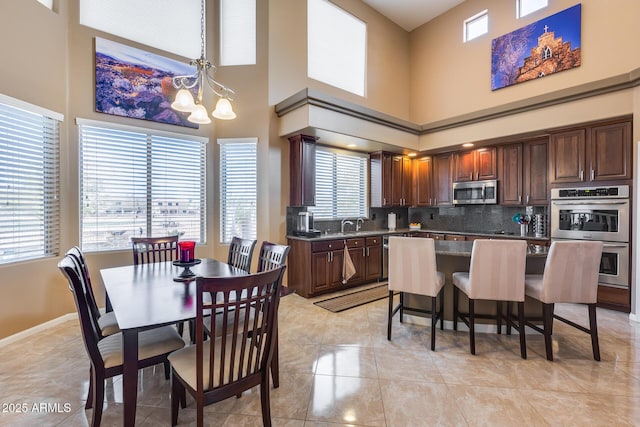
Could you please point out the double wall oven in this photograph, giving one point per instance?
(596, 213)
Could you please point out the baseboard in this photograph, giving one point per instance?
(634, 317)
(38, 328)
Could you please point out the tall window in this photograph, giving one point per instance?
(336, 46)
(341, 184)
(476, 26)
(238, 188)
(237, 32)
(29, 181)
(137, 182)
(525, 7)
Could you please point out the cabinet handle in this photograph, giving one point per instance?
(368, 253)
(477, 176)
(384, 201)
(430, 198)
(593, 174)
(581, 175)
(519, 199)
(527, 199)
(364, 251)
(328, 257)
(435, 200)
(471, 176)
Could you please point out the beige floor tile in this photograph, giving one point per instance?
(347, 361)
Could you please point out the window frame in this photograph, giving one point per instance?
(466, 37)
(532, 9)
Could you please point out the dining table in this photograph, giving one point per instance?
(146, 296)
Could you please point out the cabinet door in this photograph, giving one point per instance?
(335, 269)
(611, 152)
(373, 262)
(302, 163)
(567, 156)
(485, 163)
(442, 183)
(464, 166)
(536, 172)
(407, 181)
(511, 175)
(320, 274)
(396, 180)
(358, 259)
(423, 181)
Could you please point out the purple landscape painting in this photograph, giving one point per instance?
(134, 83)
(545, 47)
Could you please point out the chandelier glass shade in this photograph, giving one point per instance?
(205, 71)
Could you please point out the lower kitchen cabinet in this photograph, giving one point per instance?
(315, 267)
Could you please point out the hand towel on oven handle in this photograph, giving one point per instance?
(348, 269)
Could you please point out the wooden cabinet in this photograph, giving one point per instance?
(302, 167)
(475, 165)
(523, 173)
(423, 181)
(442, 179)
(391, 182)
(596, 153)
(373, 259)
(455, 237)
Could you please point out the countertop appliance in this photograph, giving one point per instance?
(475, 192)
(596, 213)
(304, 227)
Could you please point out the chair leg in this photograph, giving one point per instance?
(434, 318)
(456, 296)
(472, 327)
(167, 370)
(521, 325)
(442, 309)
(389, 315)
(176, 396)
(89, 403)
(593, 326)
(98, 399)
(275, 361)
(401, 307)
(509, 312)
(547, 326)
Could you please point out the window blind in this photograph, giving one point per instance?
(341, 184)
(237, 32)
(29, 184)
(238, 188)
(138, 183)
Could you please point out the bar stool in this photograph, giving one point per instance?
(570, 276)
(496, 273)
(412, 269)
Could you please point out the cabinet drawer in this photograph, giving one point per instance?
(373, 241)
(355, 243)
(436, 236)
(456, 237)
(328, 245)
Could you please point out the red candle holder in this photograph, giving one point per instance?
(187, 249)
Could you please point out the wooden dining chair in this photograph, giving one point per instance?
(570, 276)
(148, 250)
(272, 256)
(105, 355)
(238, 356)
(241, 253)
(107, 324)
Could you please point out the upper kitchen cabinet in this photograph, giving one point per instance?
(442, 179)
(475, 165)
(391, 180)
(536, 172)
(522, 172)
(423, 180)
(302, 167)
(510, 173)
(595, 153)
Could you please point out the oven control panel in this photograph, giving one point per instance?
(616, 191)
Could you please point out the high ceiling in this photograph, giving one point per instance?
(410, 14)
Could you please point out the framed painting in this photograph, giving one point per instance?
(545, 47)
(135, 83)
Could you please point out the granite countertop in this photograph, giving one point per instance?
(368, 233)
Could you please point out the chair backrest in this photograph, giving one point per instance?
(571, 272)
(76, 253)
(412, 265)
(242, 351)
(497, 269)
(272, 256)
(241, 253)
(147, 250)
(79, 288)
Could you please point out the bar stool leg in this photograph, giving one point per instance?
(456, 296)
(472, 327)
(390, 315)
(547, 326)
(521, 325)
(593, 326)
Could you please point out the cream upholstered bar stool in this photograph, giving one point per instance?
(496, 273)
(412, 269)
(570, 276)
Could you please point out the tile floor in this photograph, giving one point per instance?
(339, 369)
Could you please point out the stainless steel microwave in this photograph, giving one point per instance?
(475, 192)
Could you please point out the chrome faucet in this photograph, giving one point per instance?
(359, 224)
(343, 223)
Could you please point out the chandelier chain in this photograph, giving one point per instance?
(202, 29)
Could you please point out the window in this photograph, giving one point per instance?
(29, 181)
(341, 184)
(336, 46)
(137, 182)
(238, 188)
(476, 26)
(546, 53)
(525, 7)
(47, 3)
(237, 32)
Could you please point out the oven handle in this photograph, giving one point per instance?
(589, 202)
(615, 246)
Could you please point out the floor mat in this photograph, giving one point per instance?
(354, 299)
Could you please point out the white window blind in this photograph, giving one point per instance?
(29, 183)
(476, 26)
(341, 184)
(238, 188)
(525, 7)
(237, 32)
(336, 46)
(137, 183)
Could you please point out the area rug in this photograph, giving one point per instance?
(354, 299)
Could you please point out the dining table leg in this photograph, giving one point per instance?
(130, 375)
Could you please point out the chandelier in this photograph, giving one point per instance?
(205, 71)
